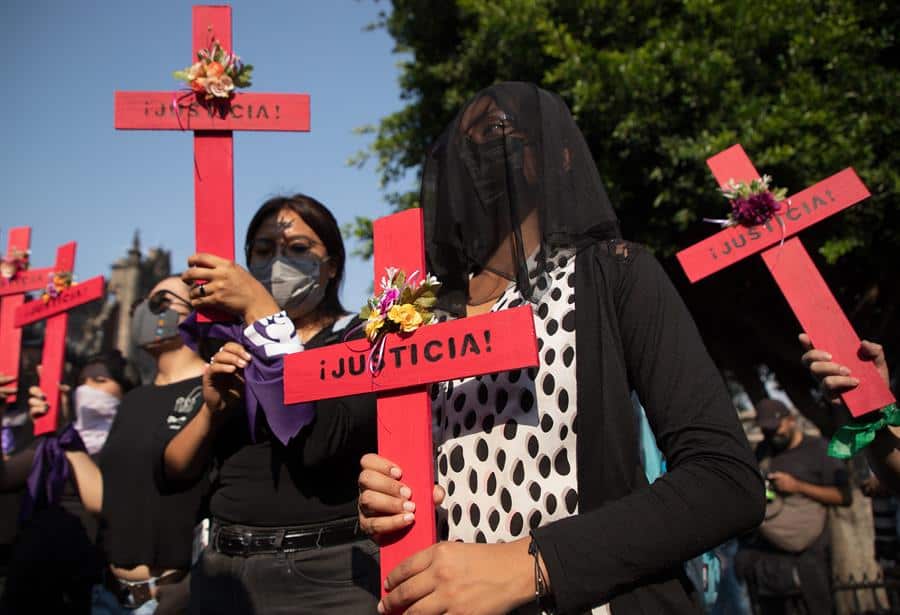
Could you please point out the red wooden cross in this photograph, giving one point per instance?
(55, 312)
(800, 282)
(212, 126)
(12, 295)
(460, 348)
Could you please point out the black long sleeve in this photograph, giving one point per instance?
(713, 489)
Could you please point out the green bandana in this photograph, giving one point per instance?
(859, 433)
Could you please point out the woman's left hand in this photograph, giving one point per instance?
(226, 285)
(455, 577)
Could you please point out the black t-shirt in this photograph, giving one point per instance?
(311, 480)
(139, 523)
(809, 462)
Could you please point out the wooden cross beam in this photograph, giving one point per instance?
(795, 273)
(488, 343)
(12, 295)
(55, 312)
(212, 126)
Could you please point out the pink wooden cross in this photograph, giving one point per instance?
(482, 344)
(795, 273)
(12, 295)
(55, 312)
(212, 125)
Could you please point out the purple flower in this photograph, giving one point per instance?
(388, 298)
(755, 209)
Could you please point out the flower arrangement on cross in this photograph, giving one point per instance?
(216, 73)
(402, 305)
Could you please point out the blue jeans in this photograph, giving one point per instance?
(733, 598)
(103, 602)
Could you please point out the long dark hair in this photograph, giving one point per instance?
(322, 222)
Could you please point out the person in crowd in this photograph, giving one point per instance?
(787, 563)
(284, 534)
(146, 532)
(55, 561)
(542, 500)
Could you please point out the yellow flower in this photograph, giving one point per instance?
(406, 316)
(373, 324)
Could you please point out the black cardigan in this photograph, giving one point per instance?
(629, 540)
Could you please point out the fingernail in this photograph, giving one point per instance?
(406, 492)
(845, 371)
(380, 606)
(242, 363)
(410, 506)
(854, 381)
(396, 472)
(408, 517)
(247, 356)
(827, 356)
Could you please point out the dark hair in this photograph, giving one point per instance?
(322, 222)
(118, 367)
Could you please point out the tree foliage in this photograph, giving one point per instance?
(657, 86)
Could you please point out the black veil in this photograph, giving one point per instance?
(510, 180)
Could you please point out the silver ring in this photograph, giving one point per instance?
(201, 290)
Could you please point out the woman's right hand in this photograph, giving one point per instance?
(384, 501)
(223, 380)
(226, 285)
(37, 402)
(37, 399)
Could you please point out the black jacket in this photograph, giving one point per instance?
(628, 542)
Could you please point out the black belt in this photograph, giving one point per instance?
(243, 540)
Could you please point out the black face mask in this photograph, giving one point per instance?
(779, 442)
(489, 164)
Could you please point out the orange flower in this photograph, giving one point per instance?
(214, 69)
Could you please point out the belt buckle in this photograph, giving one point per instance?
(138, 593)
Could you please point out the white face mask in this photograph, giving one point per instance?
(94, 414)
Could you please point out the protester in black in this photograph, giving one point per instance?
(55, 562)
(284, 534)
(787, 562)
(146, 534)
(516, 214)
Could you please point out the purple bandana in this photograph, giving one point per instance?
(49, 471)
(264, 377)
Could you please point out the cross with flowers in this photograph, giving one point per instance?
(402, 358)
(753, 210)
(212, 109)
(60, 295)
(16, 279)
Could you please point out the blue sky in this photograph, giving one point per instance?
(69, 175)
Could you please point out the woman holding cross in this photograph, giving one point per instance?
(541, 495)
(284, 534)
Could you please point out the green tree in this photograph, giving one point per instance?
(657, 86)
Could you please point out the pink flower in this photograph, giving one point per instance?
(388, 298)
(755, 209)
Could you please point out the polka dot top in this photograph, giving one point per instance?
(505, 442)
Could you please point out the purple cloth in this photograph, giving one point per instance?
(7, 439)
(264, 378)
(49, 471)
